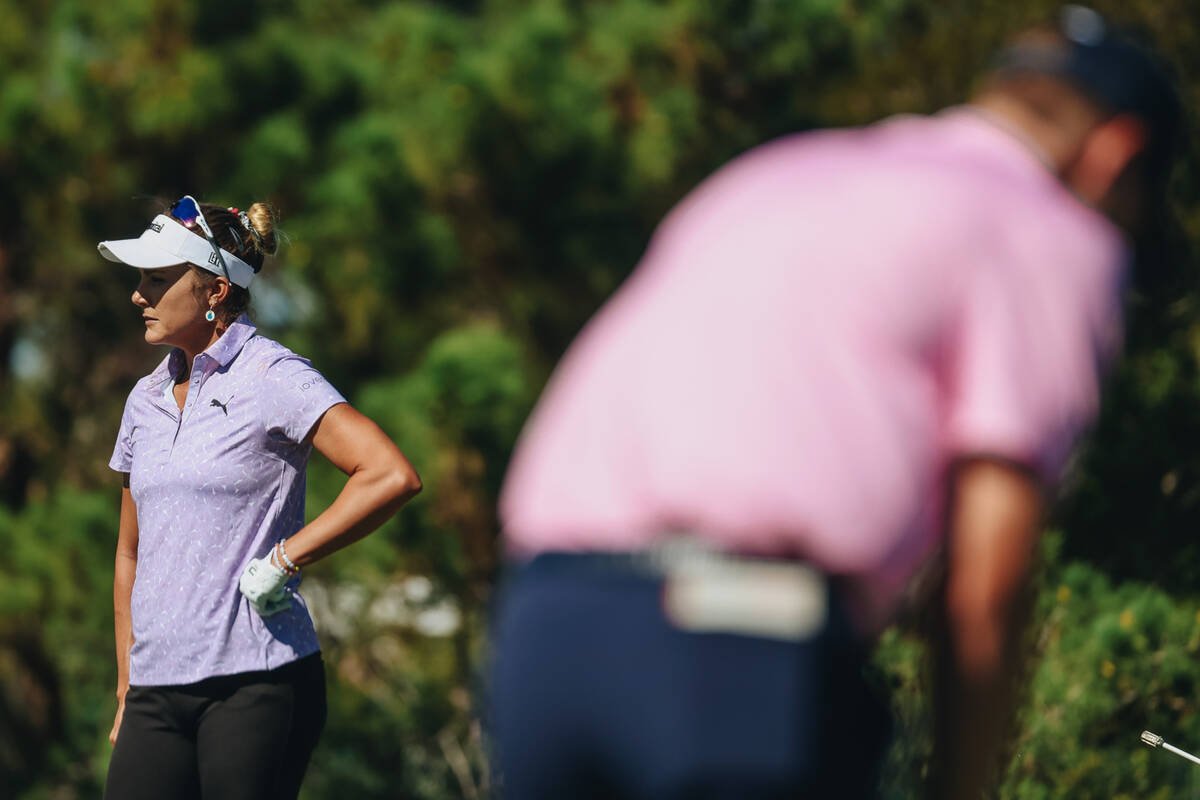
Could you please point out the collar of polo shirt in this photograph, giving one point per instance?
(168, 242)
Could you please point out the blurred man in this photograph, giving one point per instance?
(839, 353)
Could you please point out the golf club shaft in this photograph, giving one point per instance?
(1181, 753)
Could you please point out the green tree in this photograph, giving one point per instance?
(462, 184)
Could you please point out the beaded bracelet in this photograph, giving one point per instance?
(289, 565)
(277, 560)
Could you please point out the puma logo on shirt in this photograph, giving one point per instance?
(219, 404)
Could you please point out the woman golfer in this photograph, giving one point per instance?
(220, 683)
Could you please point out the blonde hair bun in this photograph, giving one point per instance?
(262, 217)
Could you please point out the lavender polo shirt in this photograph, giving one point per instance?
(813, 335)
(216, 485)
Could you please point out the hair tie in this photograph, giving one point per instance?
(245, 218)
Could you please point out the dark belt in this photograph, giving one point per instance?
(709, 590)
(666, 557)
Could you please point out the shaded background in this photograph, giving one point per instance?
(462, 184)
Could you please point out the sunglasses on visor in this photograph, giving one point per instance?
(187, 211)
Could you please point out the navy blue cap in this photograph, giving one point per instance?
(1109, 68)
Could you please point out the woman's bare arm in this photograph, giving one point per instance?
(124, 572)
(381, 481)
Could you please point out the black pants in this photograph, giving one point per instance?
(237, 737)
(595, 694)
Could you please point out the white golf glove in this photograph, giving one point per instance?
(262, 584)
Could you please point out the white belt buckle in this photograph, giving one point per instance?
(767, 599)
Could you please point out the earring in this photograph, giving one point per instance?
(209, 315)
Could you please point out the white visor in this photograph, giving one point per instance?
(167, 242)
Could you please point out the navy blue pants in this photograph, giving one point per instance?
(595, 695)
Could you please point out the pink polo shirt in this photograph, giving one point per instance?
(812, 336)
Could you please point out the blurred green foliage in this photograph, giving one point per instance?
(462, 183)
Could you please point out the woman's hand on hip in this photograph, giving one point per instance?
(262, 584)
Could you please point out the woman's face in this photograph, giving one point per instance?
(171, 309)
